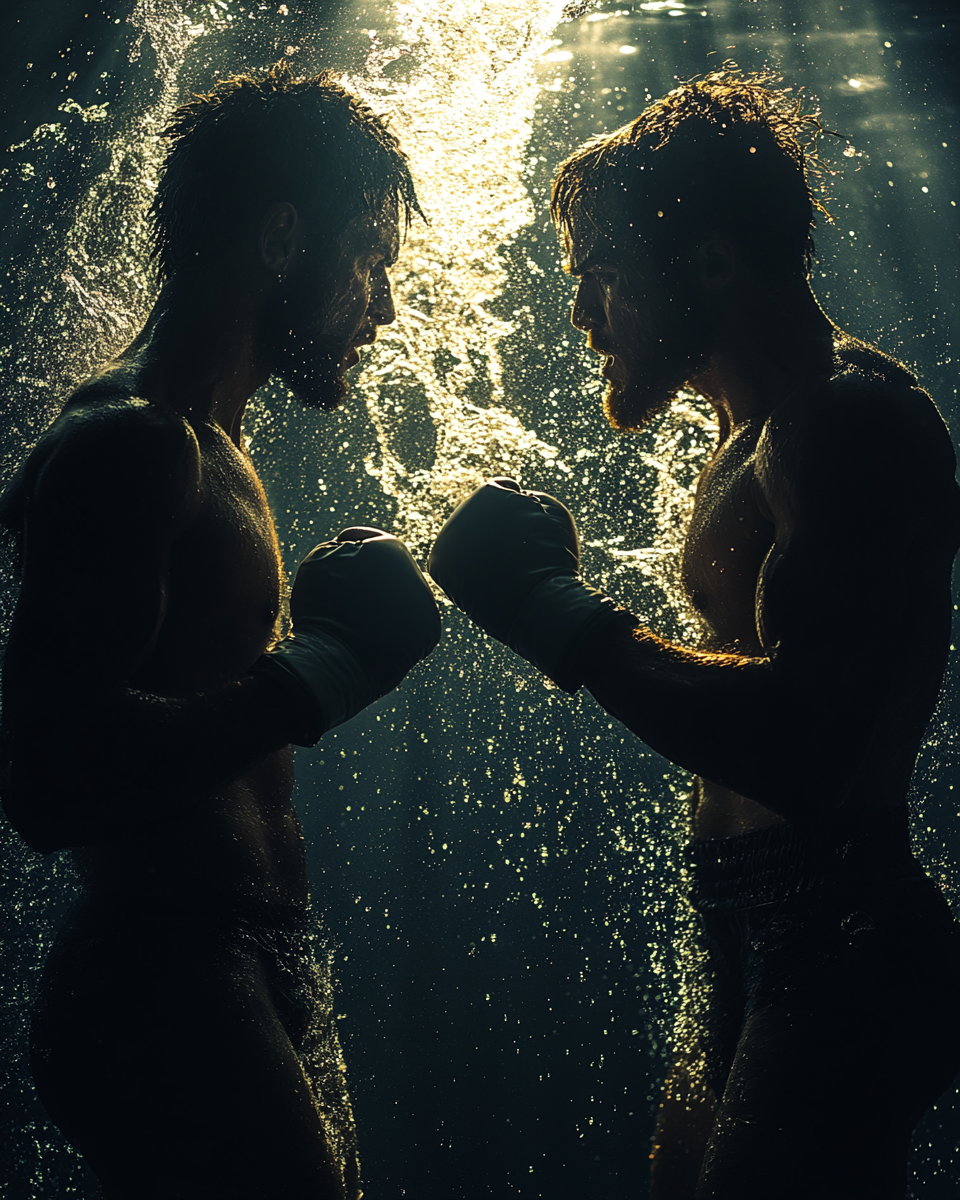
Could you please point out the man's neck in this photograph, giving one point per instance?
(198, 353)
(772, 341)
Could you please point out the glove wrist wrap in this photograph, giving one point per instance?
(330, 683)
(553, 623)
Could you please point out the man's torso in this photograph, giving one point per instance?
(731, 532)
(222, 607)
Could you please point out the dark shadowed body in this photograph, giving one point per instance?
(150, 548)
(184, 1038)
(858, 1059)
(819, 557)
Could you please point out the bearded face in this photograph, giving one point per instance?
(652, 335)
(328, 305)
(301, 351)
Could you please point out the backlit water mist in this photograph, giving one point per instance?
(498, 864)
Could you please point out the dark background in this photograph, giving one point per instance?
(497, 864)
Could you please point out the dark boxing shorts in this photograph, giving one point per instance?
(836, 924)
(124, 943)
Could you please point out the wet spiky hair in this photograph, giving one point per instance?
(726, 153)
(265, 137)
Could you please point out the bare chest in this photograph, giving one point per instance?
(224, 579)
(726, 544)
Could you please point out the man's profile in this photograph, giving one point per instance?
(819, 557)
(184, 1040)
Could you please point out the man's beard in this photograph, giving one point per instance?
(652, 386)
(311, 368)
(667, 350)
(309, 362)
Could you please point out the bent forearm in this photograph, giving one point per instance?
(741, 722)
(91, 767)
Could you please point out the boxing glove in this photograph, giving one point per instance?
(362, 615)
(509, 559)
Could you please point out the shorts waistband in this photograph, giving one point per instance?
(770, 865)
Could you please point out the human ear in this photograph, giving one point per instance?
(278, 236)
(716, 263)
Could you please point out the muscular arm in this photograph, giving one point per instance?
(88, 756)
(860, 488)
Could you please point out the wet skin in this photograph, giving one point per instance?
(151, 583)
(819, 556)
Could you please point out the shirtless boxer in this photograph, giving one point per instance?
(819, 556)
(184, 1040)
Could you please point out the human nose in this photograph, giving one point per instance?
(382, 310)
(587, 311)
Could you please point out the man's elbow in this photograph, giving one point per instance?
(36, 832)
(36, 808)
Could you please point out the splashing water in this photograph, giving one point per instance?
(107, 251)
(464, 116)
(97, 280)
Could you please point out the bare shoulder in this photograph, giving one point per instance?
(107, 420)
(868, 436)
(107, 446)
